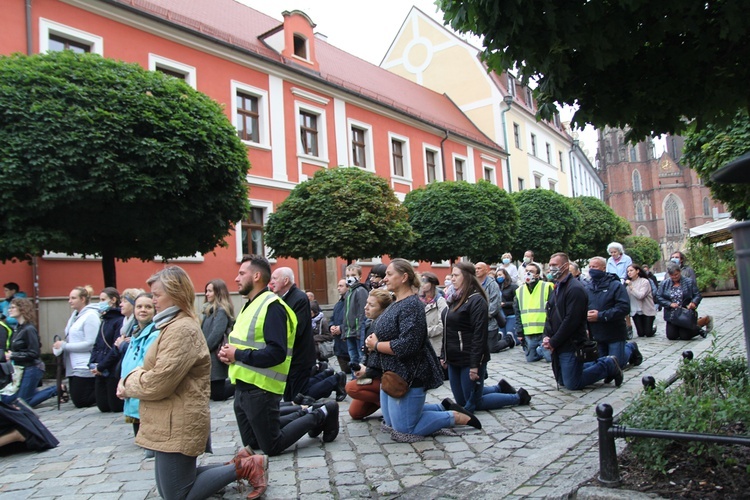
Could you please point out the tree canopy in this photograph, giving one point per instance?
(711, 148)
(101, 157)
(599, 226)
(453, 219)
(342, 212)
(642, 249)
(549, 223)
(648, 65)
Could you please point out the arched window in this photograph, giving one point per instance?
(642, 231)
(636, 181)
(672, 216)
(633, 156)
(706, 207)
(639, 211)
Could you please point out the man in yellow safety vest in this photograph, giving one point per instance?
(529, 305)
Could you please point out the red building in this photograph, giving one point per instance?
(660, 197)
(299, 104)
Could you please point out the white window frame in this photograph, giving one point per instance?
(552, 185)
(493, 173)
(307, 47)
(264, 125)
(438, 162)
(369, 156)
(156, 61)
(406, 152)
(511, 85)
(322, 158)
(466, 165)
(47, 28)
(267, 207)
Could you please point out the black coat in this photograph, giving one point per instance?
(508, 294)
(465, 333)
(690, 293)
(104, 352)
(303, 353)
(608, 296)
(24, 345)
(566, 315)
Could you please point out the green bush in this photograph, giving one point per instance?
(712, 266)
(711, 396)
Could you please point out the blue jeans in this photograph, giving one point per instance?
(617, 349)
(410, 415)
(574, 376)
(27, 389)
(510, 326)
(472, 395)
(355, 351)
(533, 342)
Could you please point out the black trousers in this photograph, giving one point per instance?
(82, 391)
(260, 425)
(674, 332)
(105, 389)
(644, 325)
(221, 390)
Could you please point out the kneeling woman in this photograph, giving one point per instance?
(465, 348)
(400, 345)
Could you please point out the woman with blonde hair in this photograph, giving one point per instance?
(173, 387)
(25, 355)
(218, 318)
(127, 305)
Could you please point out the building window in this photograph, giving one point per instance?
(55, 37)
(511, 85)
(431, 165)
(552, 185)
(562, 165)
(548, 149)
(636, 181)
(252, 233)
(520, 184)
(533, 144)
(300, 46)
(358, 147)
(397, 155)
(489, 174)
(517, 135)
(639, 216)
(529, 98)
(672, 216)
(537, 181)
(308, 131)
(247, 117)
(459, 164)
(172, 68)
(633, 156)
(706, 207)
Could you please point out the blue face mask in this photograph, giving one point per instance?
(676, 260)
(501, 279)
(506, 261)
(596, 274)
(103, 306)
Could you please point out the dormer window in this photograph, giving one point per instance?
(300, 46)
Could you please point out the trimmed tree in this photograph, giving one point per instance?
(642, 249)
(630, 62)
(342, 212)
(453, 219)
(549, 223)
(599, 226)
(713, 147)
(105, 158)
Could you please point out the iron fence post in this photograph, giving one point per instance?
(609, 473)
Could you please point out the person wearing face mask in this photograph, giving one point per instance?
(565, 329)
(375, 278)
(337, 326)
(686, 271)
(491, 288)
(528, 258)
(354, 312)
(529, 306)
(609, 305)
(104, 356)
(510, 268)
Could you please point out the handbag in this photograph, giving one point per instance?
(587, 350)
(325, 350)
(683, 317)
(394, 384)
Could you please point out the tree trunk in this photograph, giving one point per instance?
(108, 268)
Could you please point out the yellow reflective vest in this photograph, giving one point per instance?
(531, 306)
(248, 334)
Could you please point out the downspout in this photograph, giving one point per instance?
(572, 167)
(29, 45)
(442, 155)
(508, 100)
(34, 258)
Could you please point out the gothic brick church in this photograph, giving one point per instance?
(660, 197)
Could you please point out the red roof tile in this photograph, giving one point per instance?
(240, 25)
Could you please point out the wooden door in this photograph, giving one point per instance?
(314, 272)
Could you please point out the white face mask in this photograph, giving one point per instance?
(351, 280)
(526, 260)
(531, 278)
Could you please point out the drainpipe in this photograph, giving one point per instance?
(508, 100)
(442, 155)
(29, 46)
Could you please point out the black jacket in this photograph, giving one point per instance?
(465, 337)
(566, 315)
(508, 295)
(104, 352)
(24, 345)
(690, 293)
(303, 353)
(608, 296)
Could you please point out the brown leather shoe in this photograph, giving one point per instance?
(258, 477)
(243, 452)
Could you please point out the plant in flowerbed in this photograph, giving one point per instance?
(712, 396)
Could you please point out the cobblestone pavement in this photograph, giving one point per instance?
(544, 450)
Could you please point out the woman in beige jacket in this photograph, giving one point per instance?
(173, 387)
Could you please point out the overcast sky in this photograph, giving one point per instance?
(366, 29)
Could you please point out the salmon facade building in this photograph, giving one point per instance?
(298, 103)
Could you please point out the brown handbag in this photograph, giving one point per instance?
(394, 385)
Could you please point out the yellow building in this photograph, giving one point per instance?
(429, 54)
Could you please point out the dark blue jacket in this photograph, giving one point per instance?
(610, 298)
(566, 315)
(337, 319)
(104, 352)
(690, 293)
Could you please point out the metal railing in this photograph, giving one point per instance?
(609, 472)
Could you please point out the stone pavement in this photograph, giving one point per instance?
(544, 450)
